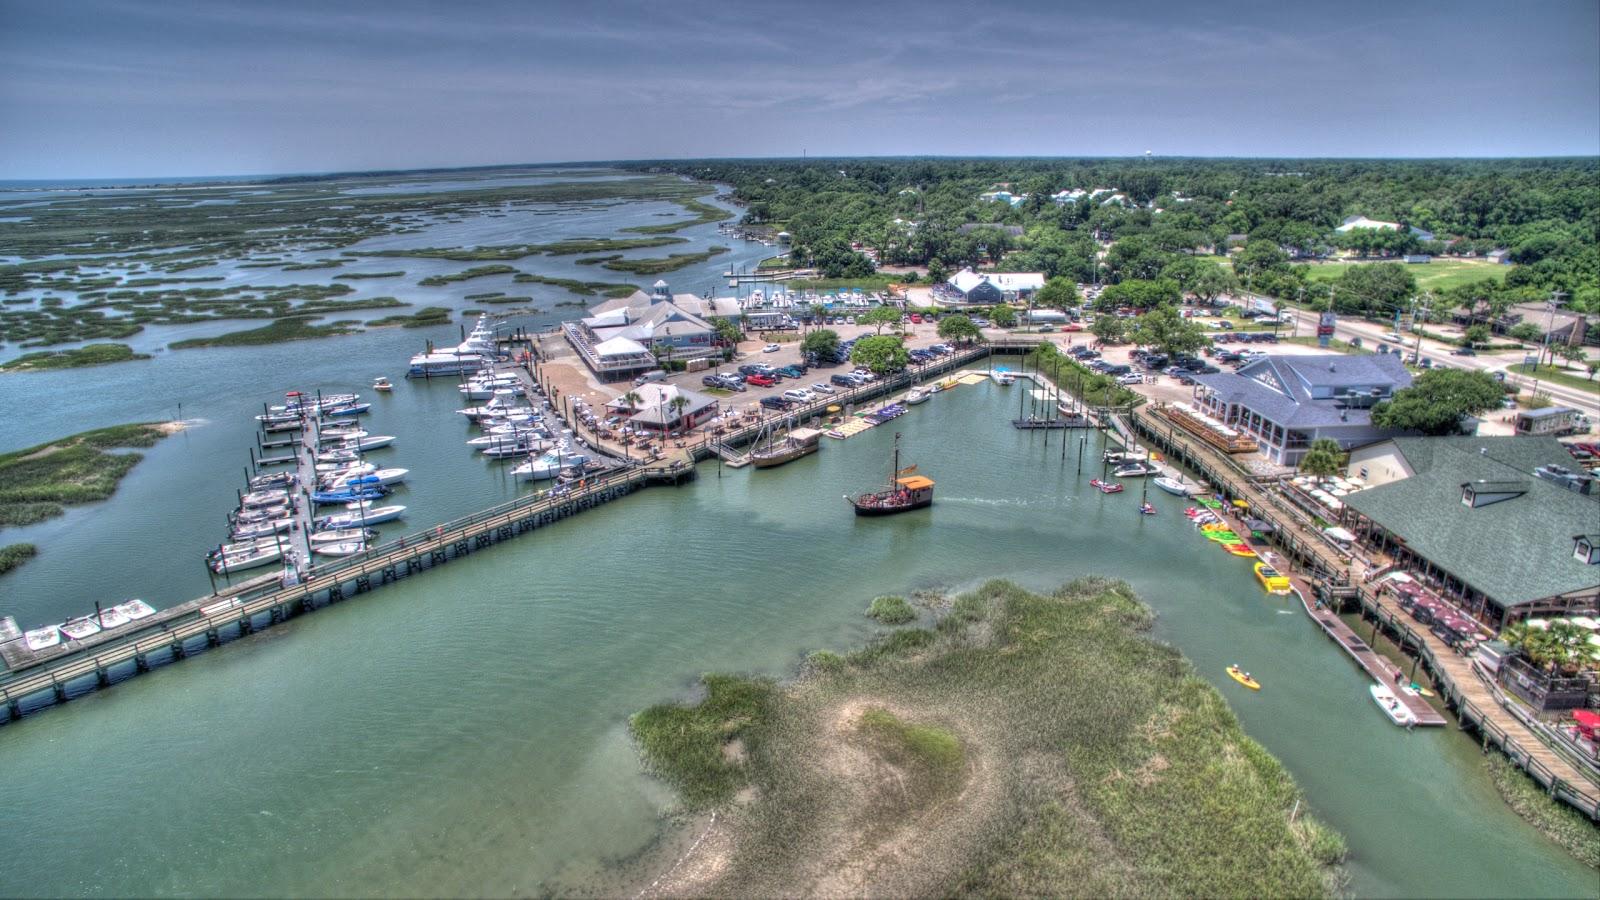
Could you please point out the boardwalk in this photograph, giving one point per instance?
(1474, 702)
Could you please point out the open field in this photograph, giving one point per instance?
(1436, 275)
(1572, 378)
(1025, 744)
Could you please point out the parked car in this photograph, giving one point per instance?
(1131, 378)
(798, 395)
(713, 381)
(771, 348)
(734, 383)
(843, 380)
(775, 403)
(760, 380)
(821, 388)
(1394, 337)
(792, 371)
(1463, 351)
(750, 369)
(650, 377)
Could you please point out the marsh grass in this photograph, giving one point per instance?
(297, 328)
(13, 555)
(36, 482)
(704, 213)
(422, 318)
(1556, 820)
(87, 355)
(658, 265)
(466, 275)
(891, 610)
(1109, 767)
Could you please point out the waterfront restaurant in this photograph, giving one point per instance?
(655, 407)
(1287, 402)
(1495, 525)
(637, 331)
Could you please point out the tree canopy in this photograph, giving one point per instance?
(822, 342)
(1167, 331)
(880, 353)
(959, 328)
(1438, 400)
(1059, 292)
(879, 317)
(1324, 457)
(1003, 316)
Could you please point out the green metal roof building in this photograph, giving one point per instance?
(1495, 523)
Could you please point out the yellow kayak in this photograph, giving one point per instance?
(1243, 677)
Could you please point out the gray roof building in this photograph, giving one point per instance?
(1492, 518)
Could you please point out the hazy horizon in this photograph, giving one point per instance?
(115, 89)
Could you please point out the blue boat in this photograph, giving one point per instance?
(354, 409)
(348, 496)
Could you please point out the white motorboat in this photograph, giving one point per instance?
(436, 364)
(345, 548)
(79, 628)
(382, 384)
(298, 402)
(135, 609)
(364, 443)
(515, 449)
(262, 555)
(241, 548)
(359, 518)
(342, 536)
(338, 455)
(548, 466)
(378, 477)
(257, 514)
(269, 497)
(1173, 486)
(1001, 375)
(339, 470)
(513, 436)
(261, 529)
(43, 638)
(339, 435)
(1397, 712)
(1134, 470)
(917, 395)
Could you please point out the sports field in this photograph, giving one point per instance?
(1436, 275)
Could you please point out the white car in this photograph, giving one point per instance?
(798, 395)
(863, 374)
(771, 348)
(1394, 337)
(822, 389)
(1132, 378)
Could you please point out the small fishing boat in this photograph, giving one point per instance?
(43, 638)
(917, 395)
(1146, 509)
(1391, 706)
(344, 548)
(135, 609)
(263, 555)
(352, 495)
(1002, 375)
(381, 384)
(548, 466)
(1243, 677)
(907, 491)
(348, 409)
(1272, 580)
(1134, 470)
(360, 518)
(79, 627)
(110, 617)
(1105, 487)
(364, 444)
(1174, 486)
(370, 478)
(260, 529)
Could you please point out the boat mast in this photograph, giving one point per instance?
(895, 470)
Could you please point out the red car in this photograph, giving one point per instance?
(760, 380)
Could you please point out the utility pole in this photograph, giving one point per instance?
(1550, 324)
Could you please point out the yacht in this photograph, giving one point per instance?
(261, 555)
(371, 478)
(360, 518)
(547, 466)
(342, 536)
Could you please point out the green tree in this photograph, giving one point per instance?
(1572, 353)
(1475, 335)
(727, 330)
(676, 404)
(1110, 329)
(1258, 258)
(937, 270)
(879, 317)
(1375, 291)
(1527, 332)
(822, 342)
(632, 398)
(1058, 293)
(880, 353)
(1003, 316)
(1323, 458)
(1211, 282)
(1438, 400)
(959, 328)
(1167, 331)
(1593, 366)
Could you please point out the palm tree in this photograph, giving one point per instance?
(1323, 458)
(676, 404)
(633, 399)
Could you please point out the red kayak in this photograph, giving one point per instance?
(1105, 487)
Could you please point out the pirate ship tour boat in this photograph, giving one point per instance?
(907, 491)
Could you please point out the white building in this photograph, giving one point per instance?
(995, 287)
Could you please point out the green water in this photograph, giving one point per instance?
(464, 732)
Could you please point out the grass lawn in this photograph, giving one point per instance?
(1572, 378)
(1436, 275)
(1334, 344)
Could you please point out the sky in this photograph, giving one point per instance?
(116, 88)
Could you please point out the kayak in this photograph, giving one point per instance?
(1239, 550)
(1243, 677)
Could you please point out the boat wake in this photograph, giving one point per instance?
(1003, 501)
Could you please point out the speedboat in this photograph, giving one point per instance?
(344, 548)
(1397, 712)
(333, 473)
(280, 480)
(1272, 579)
(349, 495)
(262, 555)
(369, 442)
(342, 536)
(1105, 487)
(1002, 375)
(261, 529)
(347, 409)
(371, 478)
(79, 628)
(547, 466)
(43, 638)
(298, 402)
(381, 384)
(916, 395)
(1243, 677)
(1173, 486)
(269, 497)
(360, 518)
(515, 448)
(1134, 470)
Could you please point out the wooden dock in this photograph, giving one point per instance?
(1371, 661)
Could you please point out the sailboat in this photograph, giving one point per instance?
(907, 491)
(796, 443)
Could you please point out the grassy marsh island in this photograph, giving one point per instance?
(78, 357)
(658, 265)
(522, 251)
(296, 328)
(37, 482)
(13, 555)
(1025, 744)
(422, 318)
(466, 275)
(352, 276)
(704, 214)
(581, 288)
